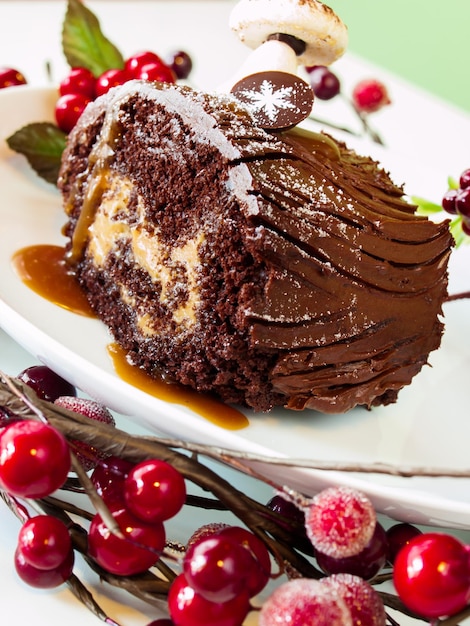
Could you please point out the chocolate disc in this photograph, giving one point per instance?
(277, 100)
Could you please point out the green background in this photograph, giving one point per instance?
(427, 43)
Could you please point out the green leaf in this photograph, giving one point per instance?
(83, 42)
(42, 143)
(457, 233)
(425, 207)
(453, 182)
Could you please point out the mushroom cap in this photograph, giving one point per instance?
(325, 35)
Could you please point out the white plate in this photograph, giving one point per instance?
(429, 425)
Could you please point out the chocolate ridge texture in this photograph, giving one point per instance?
(269, 269)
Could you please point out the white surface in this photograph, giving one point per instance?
(426, 140)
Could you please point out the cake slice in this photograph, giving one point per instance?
(271, 269)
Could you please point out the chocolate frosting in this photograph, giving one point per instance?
(340, 303)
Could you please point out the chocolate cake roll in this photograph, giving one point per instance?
(271, 269)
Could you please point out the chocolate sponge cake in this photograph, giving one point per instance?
(267, 268)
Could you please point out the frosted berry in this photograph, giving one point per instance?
(370, 96)
(399, 536)
(136, 62)
(432, 575)
(365, 564)
(217, 567)
(303, 601)
(44, 541)
(340, 521)
(79, 80)
(188, 608)
(181, 64)
(9, 77)
(135, 553)
(34, 459)
(324, 82)
(363, 602)
(43, 578)
(205, 531)
(68, 110)
(87, 454)
(46, 383)
(154, 490)
(111, 78)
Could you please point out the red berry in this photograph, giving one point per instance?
(68, 110)
(135, 553)
(448, 201)
(10, 77)
(464, 181)
(340, 522)
(134, 64)
(205, 531)
(108, 478)
(110, 79)
(462, 202)
(364, 603)
(324, 83)
(46, 383)
(188, 608)
(432, 575)
(399, 536)
(157, 72)
(181, 64)
(44, 541)
(34, 459)
(217, 568)
(304, 601)
(154, 491)
(44, 578)
(79, 80)
(370, 96)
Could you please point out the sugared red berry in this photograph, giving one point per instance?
(324, 82)
(462, 202)
(399, 536)
(448, 201)
(34, 459)
(432, 575)
(68, 110)
(188, 608)
(79, 80)
(340, 521)
(216, 568)
(46, 383)
(111, 78)
(464, 180)
(205, 531)
(363, 602)
(181, 64)
(43, 578)
(10, 77)
(365, 564)
(44, 541)
(304, 601)
(154, 491)
(135, 63)
(370, 95)
(135, 553)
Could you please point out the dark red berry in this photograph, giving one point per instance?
(10, 77)
(324, 83)
(44, 578)
(399, 536)
(68, 110)
(79, 80)
(181, 64)
(448, 201)
(462, 202)
(110, 79)
(46, 383)
(108, 478)
(464, 181)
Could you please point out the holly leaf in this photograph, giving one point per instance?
(42, 143)
(83, 42)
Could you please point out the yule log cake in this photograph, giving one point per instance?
(269, 268)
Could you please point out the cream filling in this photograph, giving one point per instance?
(172, 267)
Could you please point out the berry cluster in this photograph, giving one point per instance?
(80, 86)
(223, 567)
(456, 201)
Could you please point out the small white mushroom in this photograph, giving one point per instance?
(322, 36)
